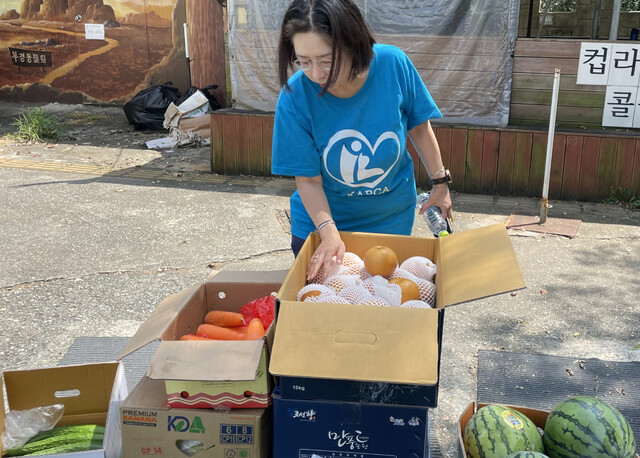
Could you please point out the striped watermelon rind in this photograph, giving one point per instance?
(526, 455)
(586, 426)
(495, 431)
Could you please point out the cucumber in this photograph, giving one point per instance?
(61, 439)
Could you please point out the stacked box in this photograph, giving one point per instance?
(377, 358)
(205, 374)
(151, 427)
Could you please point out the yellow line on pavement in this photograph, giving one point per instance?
(89, 169)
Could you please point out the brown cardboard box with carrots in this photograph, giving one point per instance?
(359, 353)
(215, 373)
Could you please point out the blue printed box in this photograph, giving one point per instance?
(328, 429)
(151, 428)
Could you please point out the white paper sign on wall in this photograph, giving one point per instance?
(94, 31)
(617, 66)
(620, 106)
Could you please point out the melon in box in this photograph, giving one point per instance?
(90, 393)
(199, 374)
(538, 417)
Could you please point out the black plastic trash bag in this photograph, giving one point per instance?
(213, 103)
(146, 109)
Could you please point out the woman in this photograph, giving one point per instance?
(341, 126)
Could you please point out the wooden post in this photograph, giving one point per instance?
(206, 46)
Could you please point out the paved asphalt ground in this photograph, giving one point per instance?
(95, 230)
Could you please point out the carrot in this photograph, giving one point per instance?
(255, 329)
(193, 337)
(224, 318)
(221, 333)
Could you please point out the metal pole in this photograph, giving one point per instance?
(596, 20)
(615, 19)
(544, 16)
(186, 52)
(544, 204)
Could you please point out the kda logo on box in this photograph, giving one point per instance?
(181, 424)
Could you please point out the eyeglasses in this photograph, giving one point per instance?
(307, 65)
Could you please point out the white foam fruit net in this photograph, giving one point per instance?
(355, 293)
(336, 269)
(380, 287)
(316, 291)
(375, 301)
(350, 283)
(326, 294)
(416, 304)
(426, 288)
(339, 282)
(420, 266)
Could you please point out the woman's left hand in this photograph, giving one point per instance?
(440, 197)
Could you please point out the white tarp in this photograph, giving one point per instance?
(462, 49)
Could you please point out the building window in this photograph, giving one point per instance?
(564, 6)
(630, 5)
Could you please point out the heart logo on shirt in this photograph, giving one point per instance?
(351, 159)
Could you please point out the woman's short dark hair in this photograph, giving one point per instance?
(340, 21)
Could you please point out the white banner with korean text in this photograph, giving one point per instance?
(614, 65)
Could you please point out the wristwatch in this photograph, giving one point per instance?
(445, 179)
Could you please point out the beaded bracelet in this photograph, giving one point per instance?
(325, 223)
(431, 175)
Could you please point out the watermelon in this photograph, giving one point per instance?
(586, 426)
(495, 431)
(526, 455)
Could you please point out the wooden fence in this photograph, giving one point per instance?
(534, 64)
(585, 166)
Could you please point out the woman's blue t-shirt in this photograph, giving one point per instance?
(357, 144)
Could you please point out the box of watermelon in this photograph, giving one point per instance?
(214, 340)
(580, 426)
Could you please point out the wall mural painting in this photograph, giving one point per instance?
(89, 51)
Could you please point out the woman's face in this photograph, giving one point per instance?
(314, 50)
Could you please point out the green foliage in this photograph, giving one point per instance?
(569, 6)
(630, 5)
(558, 6)
(625, 198)
(36, 125)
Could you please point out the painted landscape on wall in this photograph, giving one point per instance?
(47, 53)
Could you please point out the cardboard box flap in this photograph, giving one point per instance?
(225, 284)
(219, 360)
(475, 264)
(83, 389)
(161, 318)
(348, 342)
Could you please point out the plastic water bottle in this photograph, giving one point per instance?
(433, 216)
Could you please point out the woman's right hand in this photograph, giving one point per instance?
(329, 253)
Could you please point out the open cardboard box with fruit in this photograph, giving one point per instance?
(539, 419)
(91, 395)
(359, 353)
(215, 373)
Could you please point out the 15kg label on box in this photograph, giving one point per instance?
(236, 434)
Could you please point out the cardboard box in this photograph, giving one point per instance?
(216, 373)
(389, 355)
(150, 427)
(324, 429)
(91, 394)
(538, 417)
